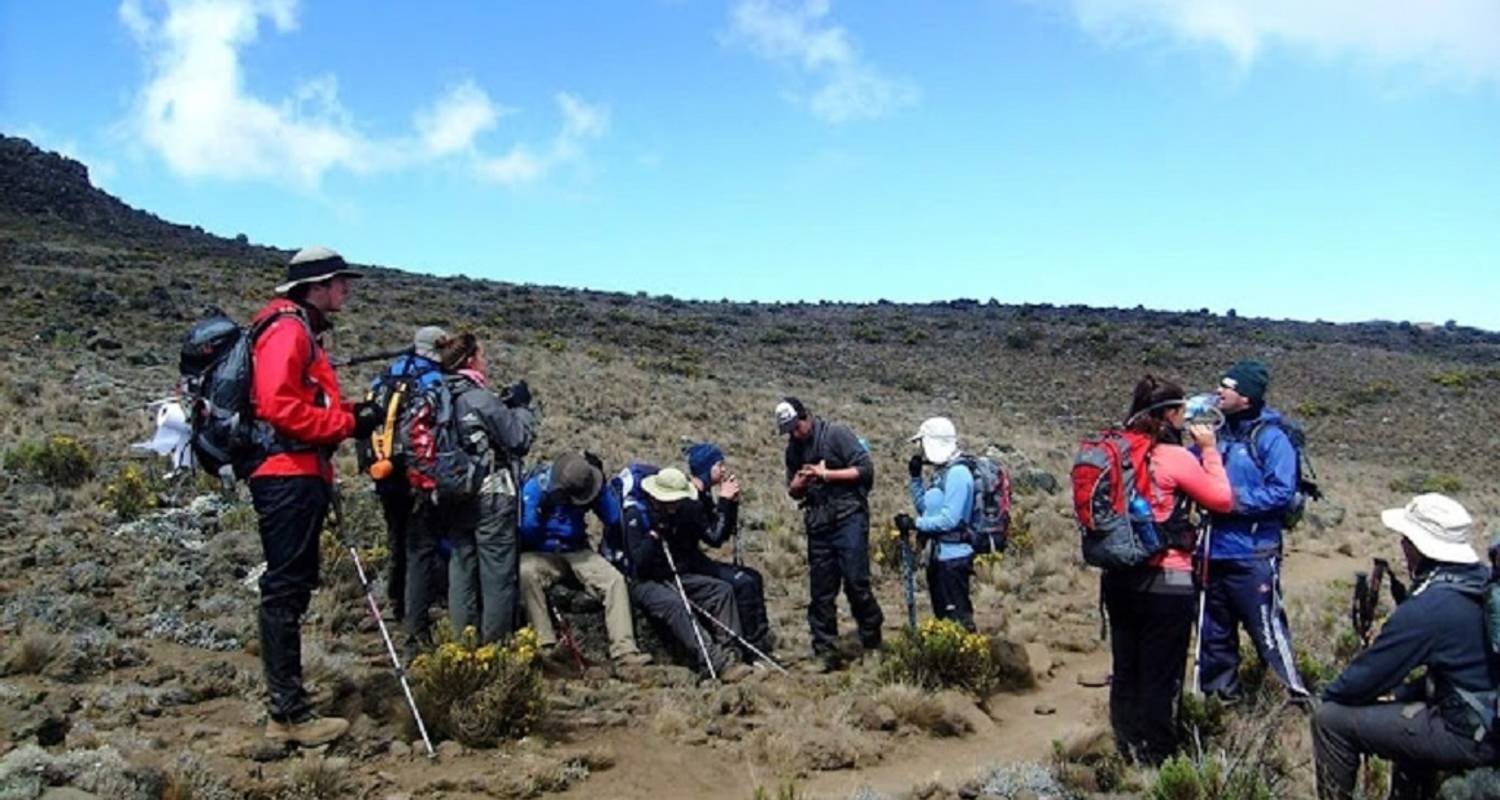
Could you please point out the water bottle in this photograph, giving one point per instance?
(1143, 523)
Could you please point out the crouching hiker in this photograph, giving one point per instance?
(497, 429)
(829, 473)
(300, 420)
(719, 501)
(555, 542)
(943, 507)
(661, 524)
(1443, 721)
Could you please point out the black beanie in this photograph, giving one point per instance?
(1250, 379)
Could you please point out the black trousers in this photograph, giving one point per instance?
(396, 507)
(749, 598)
(1150, 631)
(948, 583)
(660, 600)
(290, 511)
(1413, 736)
(840, 556)
(426, 572)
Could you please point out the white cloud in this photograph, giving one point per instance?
(453, 122)
(197, 114)
(581, 122)
(799, 35)
(1450, 40)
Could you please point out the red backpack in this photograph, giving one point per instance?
(1111, 481)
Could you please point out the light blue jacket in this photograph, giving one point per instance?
(943, 508)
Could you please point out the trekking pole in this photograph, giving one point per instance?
(1208, 535)
(565, 632)
(390, 648)
(909, 577)
(738, 638)
(688, 606)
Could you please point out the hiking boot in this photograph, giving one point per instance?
(310, 731)
(636, 659)
(736, 673)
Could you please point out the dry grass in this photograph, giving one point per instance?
(31, 653)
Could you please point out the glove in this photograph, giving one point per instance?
(367, 418)
(517, 395)
(594, 461)
(914, 466)
(903, 523)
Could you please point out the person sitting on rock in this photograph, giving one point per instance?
(719, 503)
(555, 542)
(1446, 719)
(662, 524)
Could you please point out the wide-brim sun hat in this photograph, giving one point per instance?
(314, 265)
(575, 479)
(939, 440)
(1437, 525)
(669, 486)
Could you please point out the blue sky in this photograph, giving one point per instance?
(1336, 159)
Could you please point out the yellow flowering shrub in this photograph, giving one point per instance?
(479, 694)
(940, 654)
(130, 494)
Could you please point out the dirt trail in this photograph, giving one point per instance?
(648, 766)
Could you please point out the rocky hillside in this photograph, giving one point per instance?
(126, 626)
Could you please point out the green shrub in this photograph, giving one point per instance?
(1022, 338)
(1458, 380)
(1422, 483)
(131, 494)
(940, 654)
(1311, 409)
(1182, 778)
(1375, 392)
(59, 461)
(480, 694)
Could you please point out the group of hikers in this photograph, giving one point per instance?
(1210, 505)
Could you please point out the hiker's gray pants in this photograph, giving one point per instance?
(1413, 736)
(661, 601)
(483, 570)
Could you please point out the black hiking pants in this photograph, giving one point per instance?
(426, 573)
(840, 556)
(749, 598)
(396, 506)
(661, 601)
(1151, 625)
(1413, 736)
(948, 583)
(290, 511)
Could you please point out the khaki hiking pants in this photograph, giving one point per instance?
(540, 570)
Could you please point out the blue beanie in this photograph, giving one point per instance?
(701, 460)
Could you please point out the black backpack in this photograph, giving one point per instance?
(1307, 477)
(215, 375)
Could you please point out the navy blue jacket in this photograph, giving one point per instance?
(1441, 627)
(556, 527)
(1264, 485)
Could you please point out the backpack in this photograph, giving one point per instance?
(215, 374)
(1111, 480)
(1307, 477)
(442, 460)
(989, 514)
(380, 456)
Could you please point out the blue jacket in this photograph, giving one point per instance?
(1441, 626)
(1264, 485)
(550, 527)
(943, 510)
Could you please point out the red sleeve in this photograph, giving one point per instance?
(283, 396)
(1176, 469)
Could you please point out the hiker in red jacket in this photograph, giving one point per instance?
(300, 420)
